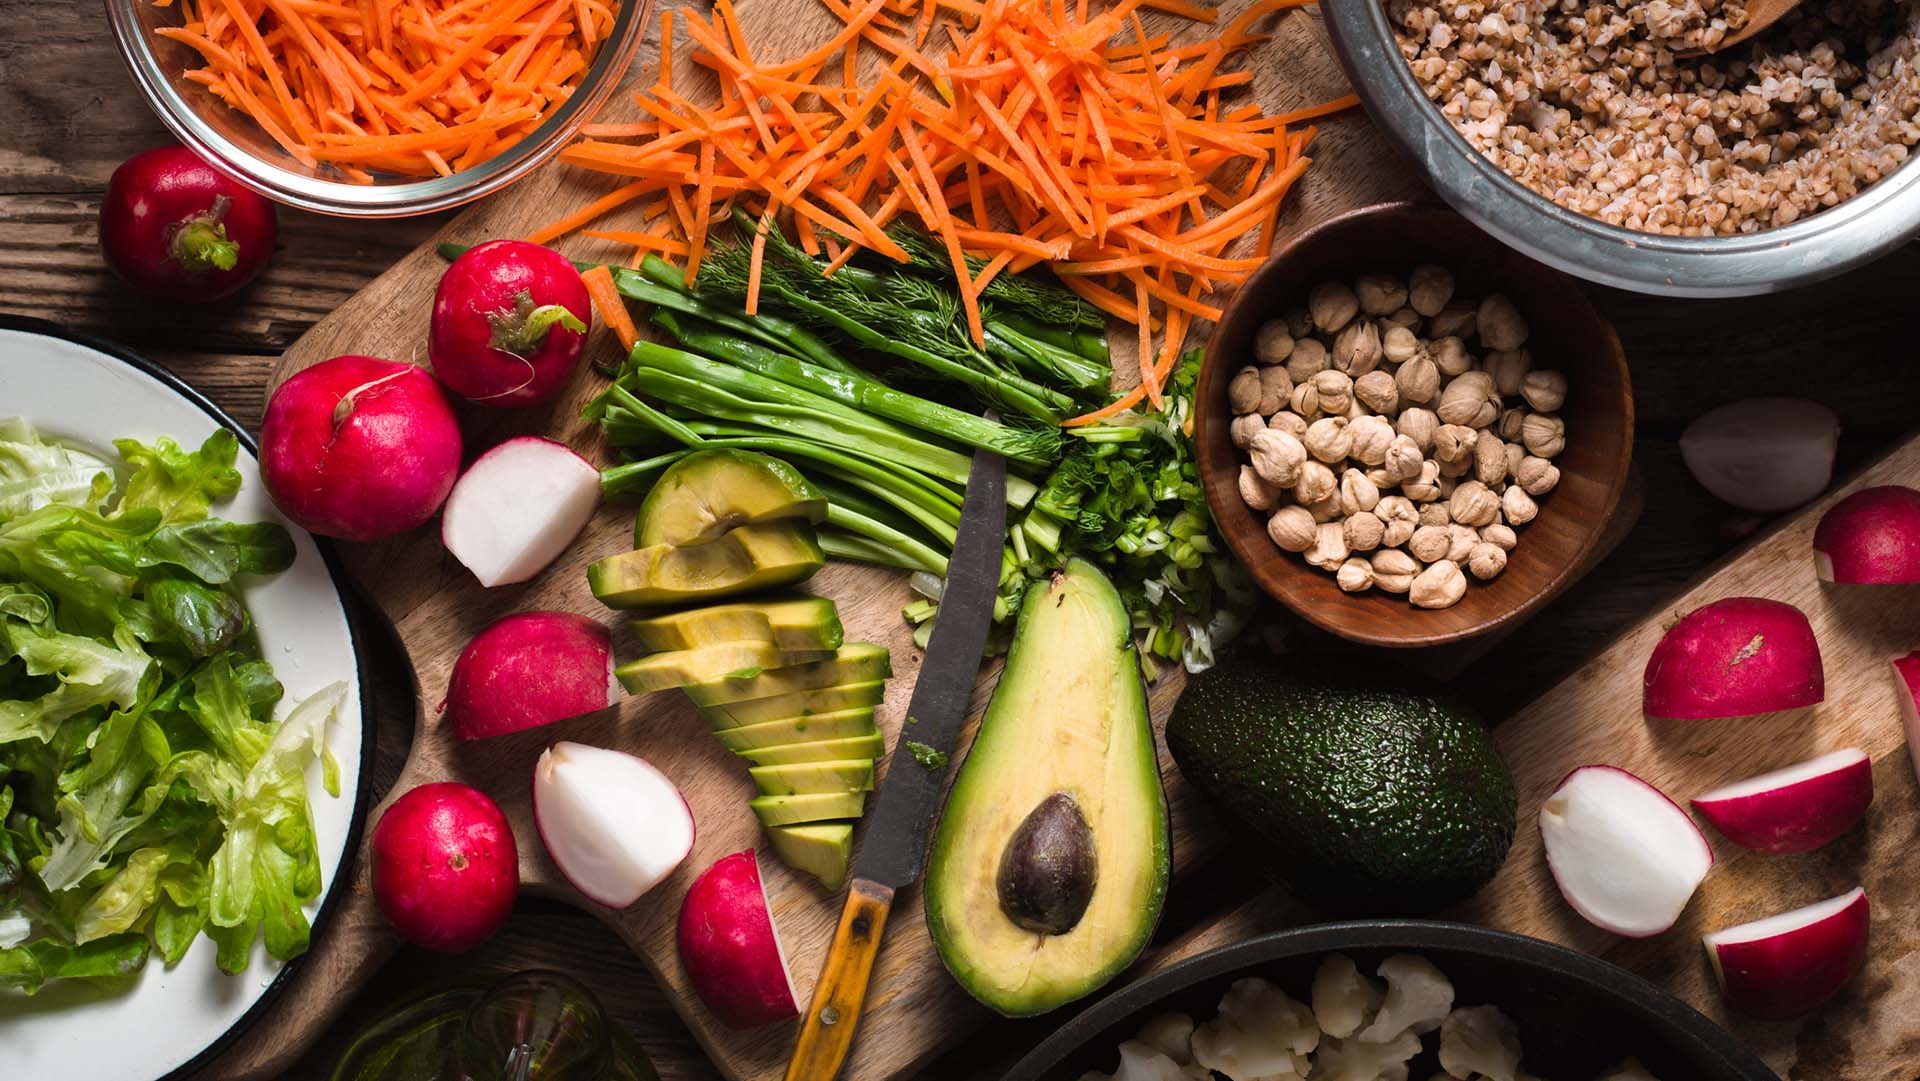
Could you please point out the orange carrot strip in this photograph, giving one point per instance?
(611, 306)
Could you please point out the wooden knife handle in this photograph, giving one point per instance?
(826, 1033)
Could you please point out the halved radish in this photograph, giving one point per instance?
(1796, 809)
(1624, 855)
(1733, 658)
(1870, 537)
(1786, 965)
(1907, 670)
(517, 507)
(1763, 454)
(730, 949)
(613, 823)
(530, 669)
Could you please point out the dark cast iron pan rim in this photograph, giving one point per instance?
(355, 824)
(1390, 934)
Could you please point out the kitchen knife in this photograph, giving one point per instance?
(894, 847)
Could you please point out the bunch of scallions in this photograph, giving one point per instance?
(888, 437)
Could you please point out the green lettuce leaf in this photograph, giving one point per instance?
(182, 485)
(215, 551)
(29, 967)
(35, 473)
(90, 673)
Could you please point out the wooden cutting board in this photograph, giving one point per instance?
(434, 606)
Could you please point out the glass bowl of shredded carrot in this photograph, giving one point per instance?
(377, 108)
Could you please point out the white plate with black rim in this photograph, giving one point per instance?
(166, 1022)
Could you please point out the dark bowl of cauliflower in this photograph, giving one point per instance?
(1391, 1000)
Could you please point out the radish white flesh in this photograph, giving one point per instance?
(517, 507)
(1797, 809)
(614, 825)
(1872, 537)
(1623, 854)
(1907, 671)
(1789, 964)
(1763, 454)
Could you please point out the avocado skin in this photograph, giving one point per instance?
(1361, 797)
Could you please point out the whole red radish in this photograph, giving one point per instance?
(530, 669)
(1734, 658)
(509, 321)
(729, 948)
(359, 448)
(445, 869)
(175, 227)
(1872, 537)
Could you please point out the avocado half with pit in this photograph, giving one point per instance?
(1050, 863)
(745, 559)
(709, 493)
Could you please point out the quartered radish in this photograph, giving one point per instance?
(1763, 454)
(530, 669)
(1796, 809)
(1733, 658)
(613, 823)
(730, 949)
(1907, 671)
(1871, 537)
(517, 507)
(1623, 854)
(1787, 965)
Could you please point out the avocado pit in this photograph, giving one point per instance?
(1047, 870)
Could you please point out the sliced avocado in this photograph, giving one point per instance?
(790, 623)
(1374, 795)
(842, 775)
(811, 807)
(1050, 863)
(796, 704)
(750, 557)
(855, 662)
(820, 849)
(679, 667)
(709, 492)
(871, 745)
(824, 726)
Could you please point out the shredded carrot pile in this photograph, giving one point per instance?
(412, 87)
(1038, 134)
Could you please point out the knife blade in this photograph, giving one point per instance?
(894, 848)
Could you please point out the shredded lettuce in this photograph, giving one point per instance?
(147, 795)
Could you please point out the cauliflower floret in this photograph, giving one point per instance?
(1360, 1060)
(1261, 1034)
(1480, 1040)
(1343, 998)
(1171, 1035)
(1141, 1062)
(1630, 1070)
(1418, 996)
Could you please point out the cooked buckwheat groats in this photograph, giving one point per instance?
(1593, 105)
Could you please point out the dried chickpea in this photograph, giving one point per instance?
(1355, 576)
(1243, 391)
(1275, 389)
(1500, 536)
(1364, 531)
(1273, 342)
(1509, 369)
(1405, 317)
(1435, 513)
(1293, 528)
(1486, 561)
(1474, 504)
(1518, 507)
(1308, 359)
(1400, 517)
(1430, 543)
(1305, 401)
(1500, 324)
(1357, 350)
(1418, 425)
(1299, 323)
(1545, 391)
(1429, 289)
(1328, 440)
(1329, 546)
(1289, 422)
(1453, 321)
(1335, 391)
(1378, 391)
(1371, 436)
(1462, 539)
(1508, 426)
(1398, 344)
(1418, 380)
(1316, 483)
(1470, 400)
(1394, 570)
(1380, 294)
(1441, 585)
(1425, 487)
(1515, 455)
(1255, 492)
(1277, 457)
(1536, 476)
(1357, 493)
(1326, 510)
(1451, 357)
(1332, 306)
(1403, 460)
(1489, 459)
(1544, 434)
(1244, 428)
(1453, 444)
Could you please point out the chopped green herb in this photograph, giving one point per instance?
(930, 759)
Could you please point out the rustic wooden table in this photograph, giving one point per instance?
(73, 114)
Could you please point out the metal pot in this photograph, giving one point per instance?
(1819, 246)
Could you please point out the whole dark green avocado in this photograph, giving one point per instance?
(1361, 797)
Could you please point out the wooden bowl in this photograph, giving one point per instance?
(1568, 335)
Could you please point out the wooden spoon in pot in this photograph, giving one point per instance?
(1761, 14)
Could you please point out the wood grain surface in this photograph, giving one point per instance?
(1846, 343)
